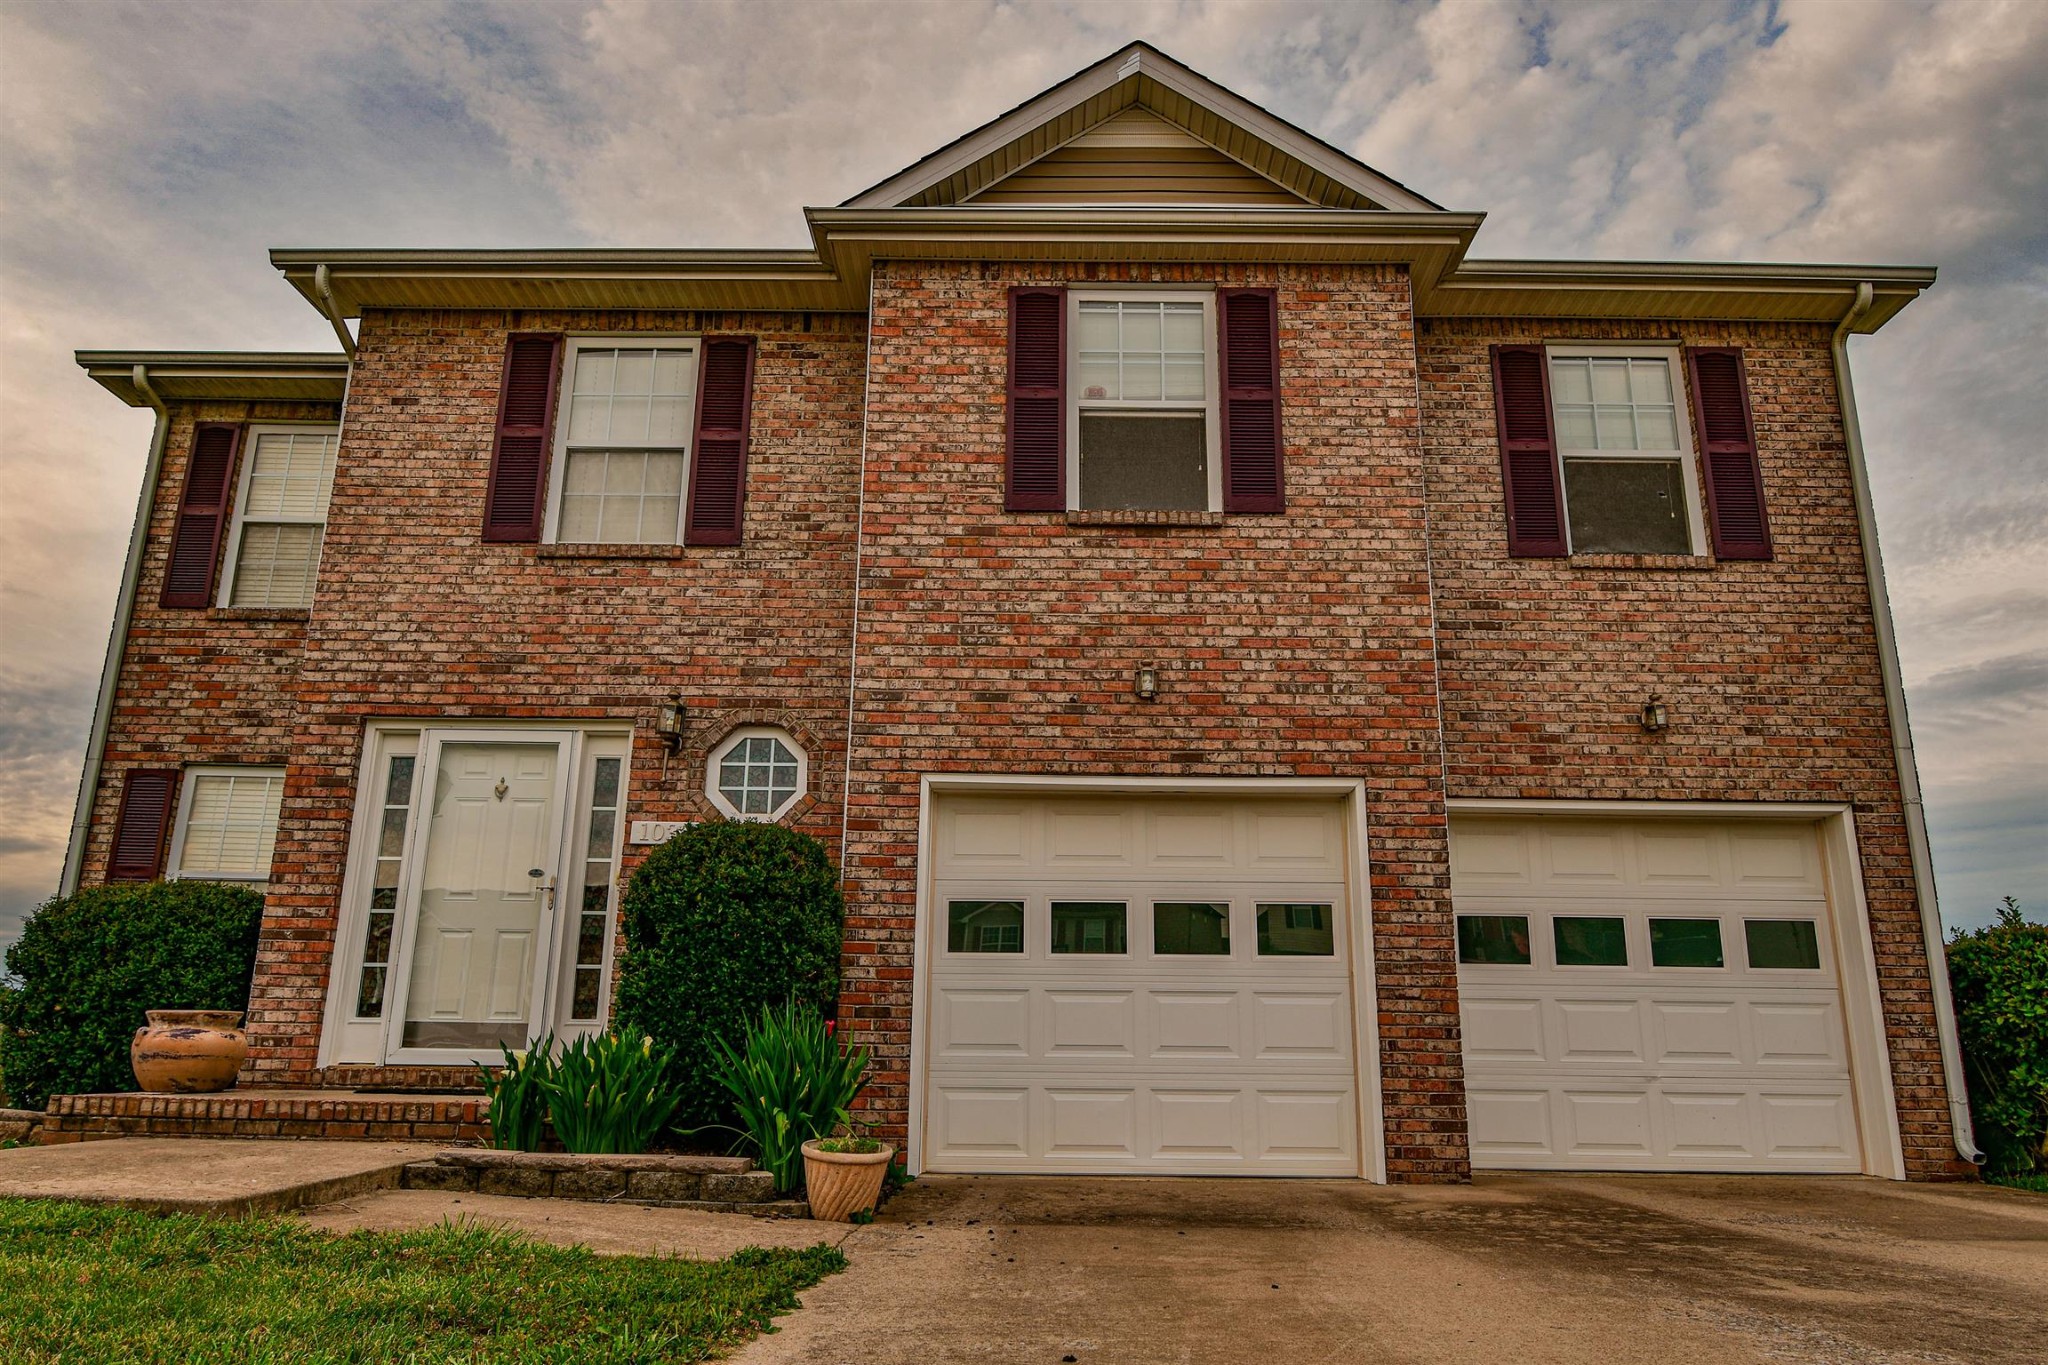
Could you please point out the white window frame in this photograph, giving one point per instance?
(1681, 397)
(246, 459)
(1211, 405)
(726, 746)
(558, 459)
(188, 784)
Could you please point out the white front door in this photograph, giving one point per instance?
(474, 963)
(1650, 995)
(1156, 984)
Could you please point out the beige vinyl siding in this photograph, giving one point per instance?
(1139, 158)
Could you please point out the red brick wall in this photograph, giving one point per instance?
(416, 615)
(1769, 670)
(1295, 644)
(211, 686)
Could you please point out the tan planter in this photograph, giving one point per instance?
(188, 1052)
(841, 1184)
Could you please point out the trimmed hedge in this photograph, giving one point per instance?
(721, 920)
(91, 964)
(1999, 977)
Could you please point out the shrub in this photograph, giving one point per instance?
(792, 1081)
(1999, 977)
(90, 964)
(610, 1094)
(721, 921)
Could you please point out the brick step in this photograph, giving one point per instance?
(721, 1184)
(269, 1113)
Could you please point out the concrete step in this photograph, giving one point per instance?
(224, 1178)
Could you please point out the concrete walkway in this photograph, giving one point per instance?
(220, 1176)
(1659, 1270)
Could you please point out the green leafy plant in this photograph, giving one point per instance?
(92, 963)
(845, 1146)
(611, 1094)
(1999, 978)
(720, 921)
(791, 1081)
(518, 1094)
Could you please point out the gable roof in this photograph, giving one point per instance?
(1140, 76)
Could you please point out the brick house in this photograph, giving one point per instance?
(1286, 697)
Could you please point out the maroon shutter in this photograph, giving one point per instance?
(1036, 479)
(1249, 360)
(140, 827)
(202, 516)
(1727, 433)
(515, 502)
(718, 461)
(1528, 453)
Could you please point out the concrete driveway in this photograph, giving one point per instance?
(1510, 1269)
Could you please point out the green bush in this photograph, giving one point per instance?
(724, 919)
(603, 1094)
(92, 963)
(1999, 977)
(791, 1081)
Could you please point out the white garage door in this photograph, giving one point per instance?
(1657, 995)
(1128, 984)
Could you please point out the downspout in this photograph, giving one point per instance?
(117, 640)
(323, 286)
(1902, 744)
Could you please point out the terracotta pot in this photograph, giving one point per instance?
(188, 1052)
(841, 1184)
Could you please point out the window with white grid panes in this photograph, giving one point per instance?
(227, 823)
(622, 460)
(757, 774)
(392, 818)
(1141, 398)
(1626, 452)
(280, 517)
(600, 871)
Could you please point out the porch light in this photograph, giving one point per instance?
(669, 723)
(1655, 720)
(1146, 685)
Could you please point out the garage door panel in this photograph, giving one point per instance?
(1509, 1122)
(1810, 1124)
(1192, 841)
(1206, 1024)
(981, 1121)
(1097, 1023)
(1504, 1030)
(1606, 1124)
(1705, 1124)
(1304, 1125)
(1599, 1030)
(984, 1022)
(1300, 1024)
(1696, 1033)
(1200, 1125)
(1798, 1033)
(1090, 837)
(1681, 860)
(1091, 1123)
(1580, 858)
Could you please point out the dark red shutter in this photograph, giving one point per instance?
(515, 502)
(718, 461)
(203, 514)
(147, 795)
(1248, 357)
(1528, 453)
(1036, 478)
(1727, 434)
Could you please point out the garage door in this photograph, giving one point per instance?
(1652, 995)
(1155, 985)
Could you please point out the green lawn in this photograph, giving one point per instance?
(2037, 1182)
(92, 1284)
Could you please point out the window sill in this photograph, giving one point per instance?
(610, 551)
(1679, 562)
(264, 613)
(1143, 518)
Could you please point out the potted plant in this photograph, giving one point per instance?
(843, 1176)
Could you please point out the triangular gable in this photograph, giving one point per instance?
(1137, 157)
(1140, 77)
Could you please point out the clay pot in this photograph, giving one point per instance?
(841, 1184)
(188, 1052)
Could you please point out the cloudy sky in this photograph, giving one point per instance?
(150, 154)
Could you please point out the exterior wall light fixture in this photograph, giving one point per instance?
(668, 725)
(1655, 719)
(1146, 684)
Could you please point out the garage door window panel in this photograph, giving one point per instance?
(1297, 930)
(1191, 928)
(985, 927)
(1782, 944)
(1493, 940)
(1590, 940)
(1089, 927)
(1686, 943)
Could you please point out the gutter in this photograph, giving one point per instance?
(325, 290)
(1902, 743)
(117, 639)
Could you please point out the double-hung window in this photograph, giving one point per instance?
(1142, 420)
(280, 517)
(1631, 485)
(227, 824)
(622, 455)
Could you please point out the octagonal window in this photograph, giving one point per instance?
(757, 774)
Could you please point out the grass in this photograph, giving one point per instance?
(99, 1284)
(2037, 1181)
